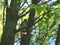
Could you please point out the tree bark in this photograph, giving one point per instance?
(9, 29)
(25, 39)
(58, 36)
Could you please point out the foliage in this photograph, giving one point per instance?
(47, 18)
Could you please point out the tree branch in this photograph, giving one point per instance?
(24, 10)
(39, 19)
(22, 15)
(23, 3)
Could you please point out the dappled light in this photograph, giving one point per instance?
(29, 22)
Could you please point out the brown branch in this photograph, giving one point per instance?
(24, 14)
(39, 19)
(24, 10)
(48, 10)
(32, 25)
(38, 38)
(20, 29)
(17, 40)
(44, 36)
(23, 3)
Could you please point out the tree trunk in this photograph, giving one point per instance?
(9, 29)
(58, 36)
(25, 38)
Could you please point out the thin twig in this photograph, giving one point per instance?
(24, 14)
(23, 4)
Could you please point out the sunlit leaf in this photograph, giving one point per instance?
(58, 20)
(58, 6)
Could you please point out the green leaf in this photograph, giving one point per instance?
(58, 6)
(58, 20)
(32, 6)
(38, 10)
